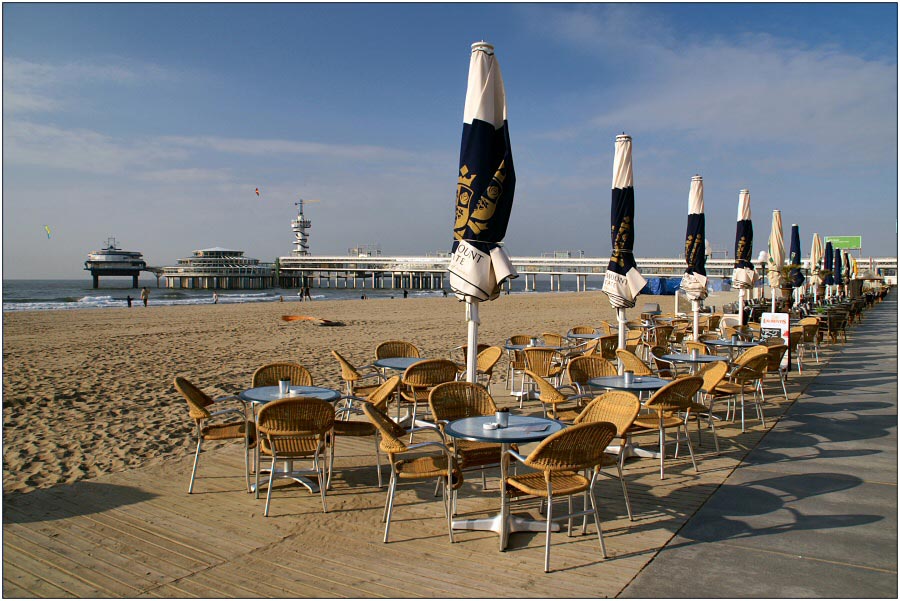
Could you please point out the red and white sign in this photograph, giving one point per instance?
(773, 325)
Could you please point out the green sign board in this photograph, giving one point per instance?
(845, 242)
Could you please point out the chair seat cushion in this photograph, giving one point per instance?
(354, 428)
(228, 431)
(562, 483)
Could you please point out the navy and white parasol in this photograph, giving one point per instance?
(744, 276)
(796, 276)
(693, 283)
(622, 282)
(486, 184)
(829, 264)
(838, 266)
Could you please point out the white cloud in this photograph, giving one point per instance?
(273, 147)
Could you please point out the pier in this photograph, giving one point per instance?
(430, 272)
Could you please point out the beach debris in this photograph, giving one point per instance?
(47, 229)
(318, 321)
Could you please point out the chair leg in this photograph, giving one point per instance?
(597, 522)
(549, 527)
(448, 505)
(271, 481)
(378, 460)
(196, 461)
(570, 515)
(624, 488)
(389, 506)
(662, 449)
(687, 439)
(325, 478)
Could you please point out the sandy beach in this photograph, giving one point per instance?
(88, 392)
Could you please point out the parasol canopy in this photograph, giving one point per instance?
(838, 268)
(829, 264)
(815, 258)
(693, 283)
(744, 275)
(487, 181)
(776, 251)
(796, 276)
(622, 282)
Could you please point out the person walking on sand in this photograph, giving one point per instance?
(215, 298)
(405, 294)
(145, 295)
(128, 300)
(306, 293)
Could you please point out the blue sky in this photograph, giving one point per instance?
(155, 122)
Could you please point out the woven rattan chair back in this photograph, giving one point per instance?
(348, 372)
(541, 360)
(617, 407)
(430, 372)
(664, 369)
(554, 339)
(712, 374)
(572, 449)
(606, 328)
(796, 337)
(396, 348)
(806, 321)
(294, 426)
(391, 433)
(752, 370)
(269, 375)
(608, 346)
(675, 396)
(632, 362)
(661, 335)
(581, 369)
(455, 400)
(774, 354)
(729, 331)
(754, 351)
(548, 393)
(810, 332)
(520, 339)
(774, 341)
(590, 349)
(583, 330)
(701, 348)
(488, 358)
(197, 400)
(714, 320)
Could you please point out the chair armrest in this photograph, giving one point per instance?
(515, 455)
(431, 443)
(227, 411)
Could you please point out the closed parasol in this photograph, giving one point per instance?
(744, 276)
(776, 254)
(484, 194)
(693, 282)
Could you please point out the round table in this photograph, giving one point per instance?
(521, 429)
(594, 336)
(522, 347)
(640, 383)
(730, 345)
(694, 361)
(396, 363)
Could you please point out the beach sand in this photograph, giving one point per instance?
(88, 392)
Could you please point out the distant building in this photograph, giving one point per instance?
(220, 268)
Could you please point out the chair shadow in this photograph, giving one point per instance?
(81, 498)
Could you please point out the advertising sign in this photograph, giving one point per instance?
(772, 325)
(845, 242)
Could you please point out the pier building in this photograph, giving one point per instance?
(113, 261)
(221, 268)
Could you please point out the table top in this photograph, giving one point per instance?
(264, 394)
(521, 429)
(685, 358)
(521, 347)
(583, 336)
(640, 383)
(721, 342)
(398, 363)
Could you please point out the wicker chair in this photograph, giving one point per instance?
(457, 400)
(269, 375)
(546, 362)
(619, 408)
(690, 345)
(667, 403)
(487, 359)
(199, 404)
(343, 426)
(796, 339)
(774, 341)
(516, 362)
(558, 460)
(712, 374)
(606, 328)
(742, 380)
(631, 362)
(660, 335)
(581, 369)
(441, 465)
(590, 348)
(810, 341)
(664, 369)
(420, 378)
(754, 351)
(713, 322)
(554, 397)
(582, 330)
(554, 339)
(459, 354)
(608, 346)
(355, 377)
(296, 428)
(396, 348)
(774, 356)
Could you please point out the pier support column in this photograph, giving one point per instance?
(96, 280)
(134, 281)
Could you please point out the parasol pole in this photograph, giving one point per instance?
(740, 306)
(676, 301)
(695, 305)
(472, 340)
(620, 317)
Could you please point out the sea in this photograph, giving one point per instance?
(47, 295)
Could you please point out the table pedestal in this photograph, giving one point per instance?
(288, 472)
(631, 450)
(494, 524)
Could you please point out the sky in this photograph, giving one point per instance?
(155, 123)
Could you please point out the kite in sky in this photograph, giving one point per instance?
(47, 229)
(257, 191)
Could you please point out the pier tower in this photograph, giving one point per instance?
(300, 226)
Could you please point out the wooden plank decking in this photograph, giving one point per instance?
(138, 534)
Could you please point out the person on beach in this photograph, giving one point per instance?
(145, 295)
(306, 293)
(405, 294)
(300, 294)
(215, 298)
(128, 300)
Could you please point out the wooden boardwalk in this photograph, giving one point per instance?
(139, 534)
